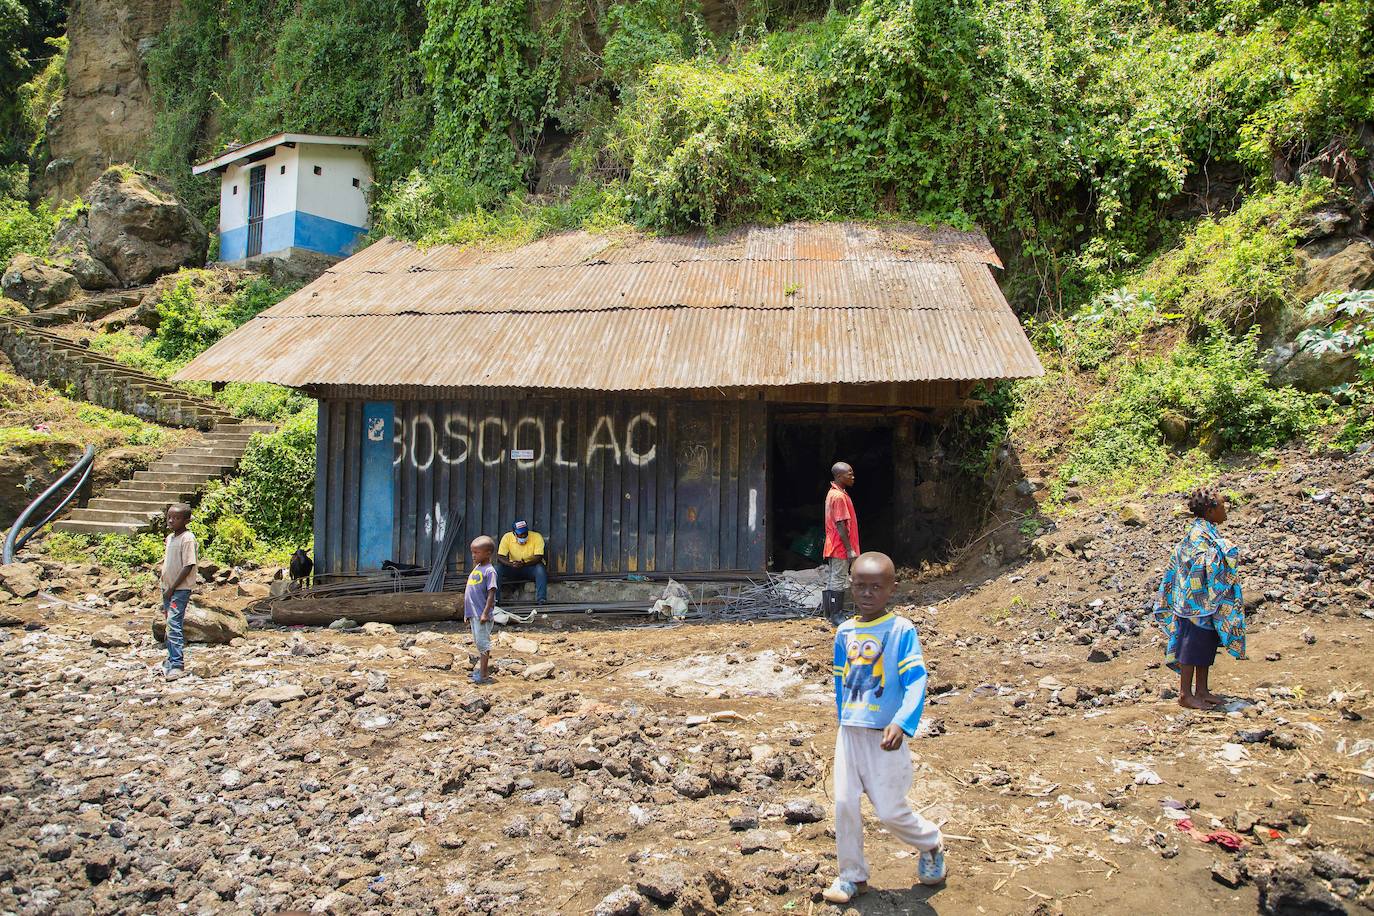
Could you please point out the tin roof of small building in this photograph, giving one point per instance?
(243, 151)
(803, 303)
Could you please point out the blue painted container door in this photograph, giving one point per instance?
(377, 504)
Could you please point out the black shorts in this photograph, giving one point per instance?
(1197, 642)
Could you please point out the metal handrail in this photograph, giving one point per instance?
(14, 541)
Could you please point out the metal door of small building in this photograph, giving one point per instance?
(257, 187)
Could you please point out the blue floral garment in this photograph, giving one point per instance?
(1203, 585)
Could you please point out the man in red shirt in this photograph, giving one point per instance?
(841, 540)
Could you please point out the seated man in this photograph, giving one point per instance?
(520, 558)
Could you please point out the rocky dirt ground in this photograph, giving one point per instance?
(623, 769)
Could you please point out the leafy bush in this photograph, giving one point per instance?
(263, 400)
(1346, 325)
(336, 67)
(439, 209)
(126, 553)
(1216, 387)
(1241, 266)
(25, 230)
(201, 307)
(268, 509)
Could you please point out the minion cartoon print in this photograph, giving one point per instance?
(863, 668)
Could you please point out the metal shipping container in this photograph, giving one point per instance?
(616, 485)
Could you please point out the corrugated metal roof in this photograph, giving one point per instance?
(788, 305)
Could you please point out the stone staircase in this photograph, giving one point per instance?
(79, 372)
(92, 308)
(138, 503)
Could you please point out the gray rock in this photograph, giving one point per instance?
(1332, 865)
(282, 693)
(214, 626)
(623, 901)
(756, 841)
(1290, 889)
(692, 785)
(742, 822)
(21, 579)
(37, 285)
(662, 885)
(110, 637)
(139, 230)
(539, 672)
(803, 811)
(71, 247)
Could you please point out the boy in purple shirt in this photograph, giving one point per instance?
(479, 599)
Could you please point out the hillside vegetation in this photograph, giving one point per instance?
(1147, 171)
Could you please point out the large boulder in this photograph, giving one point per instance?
(139, 230)
(1330, 264)
(71, 247)
(1349, 266)
(205, 624)
(35, 284)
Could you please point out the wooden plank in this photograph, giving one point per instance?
(321, 509)
(649, 489)
(630, 560)
(615, 490)
(589, 503)
(338, 433)
(667, 504)
(732, 416)
(459, 496)
(376, 496)
(753, 551)
(561, 560)
(408, 501)
(444, 471)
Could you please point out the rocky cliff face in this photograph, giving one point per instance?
(107, 115)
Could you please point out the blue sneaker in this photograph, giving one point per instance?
(930, 867)
(842, 891)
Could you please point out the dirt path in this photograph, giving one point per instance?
(677, 759)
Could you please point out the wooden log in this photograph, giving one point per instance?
(416, 607)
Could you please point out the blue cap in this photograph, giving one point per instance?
(521, 526)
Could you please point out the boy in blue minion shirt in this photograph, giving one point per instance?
(880, 690)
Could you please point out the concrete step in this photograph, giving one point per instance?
(150, 489)
(188, 478)
(198, 464)
(114, 515)
(206, 451)
(127, 505)
(77, 527)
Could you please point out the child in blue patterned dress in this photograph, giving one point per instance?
(1199, 606)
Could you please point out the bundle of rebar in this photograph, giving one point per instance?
(775, 598)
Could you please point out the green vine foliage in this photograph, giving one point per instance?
(226, 72)
(494, 80)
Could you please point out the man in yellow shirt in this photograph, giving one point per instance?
(520, 558)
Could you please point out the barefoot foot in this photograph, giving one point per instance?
(1190, 702)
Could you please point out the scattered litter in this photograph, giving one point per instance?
(1233, 753)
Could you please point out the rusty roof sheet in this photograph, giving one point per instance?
(787, 305)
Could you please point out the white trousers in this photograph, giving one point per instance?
(863, 767)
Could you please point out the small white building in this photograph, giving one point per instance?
(290, 192)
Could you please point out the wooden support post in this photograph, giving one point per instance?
(904, 468)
